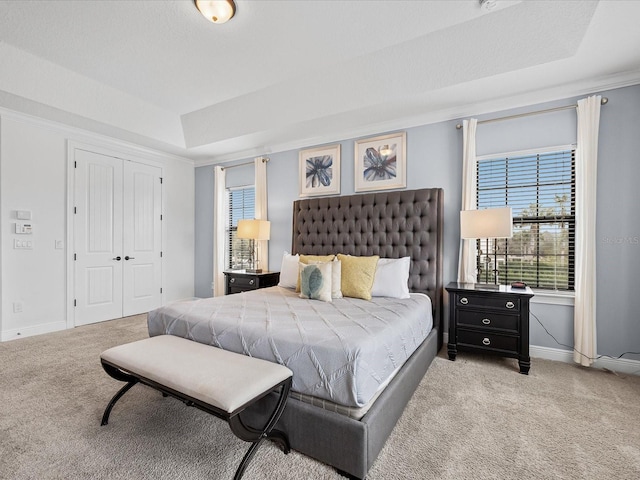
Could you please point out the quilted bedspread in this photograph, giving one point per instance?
(341, 351)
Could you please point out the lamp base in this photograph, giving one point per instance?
(253, 270)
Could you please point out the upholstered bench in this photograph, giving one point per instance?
(216, 381)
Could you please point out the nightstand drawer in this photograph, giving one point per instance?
(487, 340)
(243, 282)
(239, 281)
(488, 320)
(498, 302)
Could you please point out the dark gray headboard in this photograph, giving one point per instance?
(389, 224)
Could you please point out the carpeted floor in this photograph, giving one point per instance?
(475, 418)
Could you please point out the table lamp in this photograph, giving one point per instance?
(254, 230)
(490, 223)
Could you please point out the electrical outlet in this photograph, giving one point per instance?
(17, 307)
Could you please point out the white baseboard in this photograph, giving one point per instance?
(621, 365)
(16, 333)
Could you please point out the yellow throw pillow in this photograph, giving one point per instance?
(358, 274)
(312, 259)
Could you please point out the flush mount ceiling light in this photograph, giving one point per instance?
(216, 11)
(488, 4)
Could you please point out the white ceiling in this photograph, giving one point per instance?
(289, 74)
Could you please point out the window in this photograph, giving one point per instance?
(540, 189)
(241, 202)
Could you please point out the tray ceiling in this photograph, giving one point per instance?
(286, 74)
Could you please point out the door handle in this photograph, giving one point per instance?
(117, 258)
(129, 258)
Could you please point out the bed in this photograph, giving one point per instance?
(389, 224)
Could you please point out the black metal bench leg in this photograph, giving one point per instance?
(118, 375)
(247, 458)
(249, 434)
(116, 397)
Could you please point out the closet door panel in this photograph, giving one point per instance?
(142, 238)
(98, 237)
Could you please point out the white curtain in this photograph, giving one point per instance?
(219, 225)
(262, 246)
(467, 272)
(585, 267)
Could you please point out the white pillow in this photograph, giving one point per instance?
(289, 271)
(315, 281)
(336, 278)
(392, 278)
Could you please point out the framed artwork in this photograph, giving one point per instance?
(320, 171)
(381, 162)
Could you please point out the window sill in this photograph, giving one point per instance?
(553, 297)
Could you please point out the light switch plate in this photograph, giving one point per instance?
(22, 244)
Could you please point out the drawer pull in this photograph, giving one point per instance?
(232, 280)
(251, 281)
(464, 300)
(510, 305)
(486, 321)
(486, 341)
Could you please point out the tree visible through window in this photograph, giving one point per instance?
(241, 203)
(540, 189)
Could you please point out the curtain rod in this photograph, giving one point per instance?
(603, 101)
(264, 160)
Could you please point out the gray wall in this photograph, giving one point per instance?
(434, 155)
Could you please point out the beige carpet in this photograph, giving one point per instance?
(475, 418)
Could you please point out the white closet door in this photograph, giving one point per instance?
(142, 237)
(98, 237)
(117, 237)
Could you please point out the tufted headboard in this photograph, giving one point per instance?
(390, 224)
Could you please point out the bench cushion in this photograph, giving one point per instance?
(219, 378)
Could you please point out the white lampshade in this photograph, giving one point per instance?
(254, 229)
(487, 223)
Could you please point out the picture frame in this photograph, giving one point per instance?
(381, 162)
(319, 171)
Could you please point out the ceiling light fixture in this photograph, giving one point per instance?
(488, 4)
(216, 11)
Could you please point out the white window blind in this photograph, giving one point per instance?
(540, 189)
(241, 206)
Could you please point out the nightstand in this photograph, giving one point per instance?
(489, 319)
(240, 281)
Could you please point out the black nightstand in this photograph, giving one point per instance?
(489, 319)
(240, 281)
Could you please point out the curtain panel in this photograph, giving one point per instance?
(585, 348)
(262, 246)
(219, 225)
(467, 269)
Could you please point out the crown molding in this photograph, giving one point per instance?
(93, 138)
(529, 99)
(499, 104)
